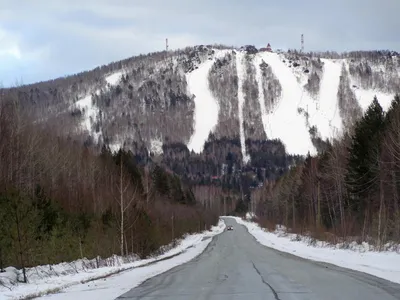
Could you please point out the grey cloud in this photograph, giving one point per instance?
(78, 35)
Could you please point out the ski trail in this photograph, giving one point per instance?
(286, 123)
(264, 116)
(206, 106)
(328, 99)
(240, 74)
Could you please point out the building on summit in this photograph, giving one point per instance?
(267, 49)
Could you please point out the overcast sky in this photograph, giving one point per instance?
(43, 39)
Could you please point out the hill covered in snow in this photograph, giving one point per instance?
(182, 96)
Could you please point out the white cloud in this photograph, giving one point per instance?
(9, 45)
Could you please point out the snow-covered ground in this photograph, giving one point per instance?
(241, 74)
(357, 257)
(285, 122)
(78, 281)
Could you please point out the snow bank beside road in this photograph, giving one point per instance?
(385, 265)
(97, 283)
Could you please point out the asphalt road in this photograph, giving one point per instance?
(236, 266)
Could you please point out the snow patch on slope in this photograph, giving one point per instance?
(114, 147)
(285, 122)
(90, 114)
(385, 265)
(156, 147)
(114, 78)
(90, 111)
(365, 98)
(240, 74)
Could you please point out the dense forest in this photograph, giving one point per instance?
(351, 190)
(62, 200)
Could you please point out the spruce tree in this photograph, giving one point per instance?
(362, 170)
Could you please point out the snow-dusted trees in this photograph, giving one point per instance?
(313, 84)
(252, 121)
(271, 85)
(223, 83)
(349, 109)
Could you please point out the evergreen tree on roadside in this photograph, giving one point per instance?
(363, 164)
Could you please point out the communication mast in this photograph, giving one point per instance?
(302, 43)
(166, 45)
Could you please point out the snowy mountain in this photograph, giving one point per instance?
(185, 95)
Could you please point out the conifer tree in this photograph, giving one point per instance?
(363, 165)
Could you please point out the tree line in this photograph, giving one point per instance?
(351, 190)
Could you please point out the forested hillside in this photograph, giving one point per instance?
(350, 191)
(61, 200)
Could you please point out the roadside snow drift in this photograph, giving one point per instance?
(104, 283)
(385, 265)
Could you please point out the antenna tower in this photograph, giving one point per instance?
(302, 43)
(166, 45)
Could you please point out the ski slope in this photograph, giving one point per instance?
(240, 74)
(285, 122)
(290, 121)
(329, 122)
(206, 107)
